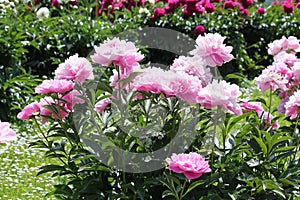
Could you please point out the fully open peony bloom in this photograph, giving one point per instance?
(292, 105)
(194, 66)
(29, 110)
(6, 133)
(54, 86)
(212, 50)
(220, 93)
(101, 105)
(75, 68)
(284, 44)
(118, 52)
(192, 165)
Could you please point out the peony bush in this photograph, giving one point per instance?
(243, 146)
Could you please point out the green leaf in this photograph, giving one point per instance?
(50, 168)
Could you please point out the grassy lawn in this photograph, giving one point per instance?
(19, 166)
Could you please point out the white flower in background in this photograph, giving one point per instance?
(151, 1)
(144, 11)
(43, 12)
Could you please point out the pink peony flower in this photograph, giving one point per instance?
(199, 30)
(29, 110)
(212, 50)
(220, 93)
(287, 58)
(292, 105)
(281, 107)
(101, 105)
(56, 3)
(296, 72)
(75, 68)
(288, 8)
(274, 77)
(268, 119)
(72, 98)
(54, 86)
(155, 80)
(247, 3)
(58, 110)
(192, 165)
(249, 106)
(229, 4)
(118, 52)
(193, 66)
(159, 12)
(284, 44)
(209, 7)
(261, 11)
(6, 133)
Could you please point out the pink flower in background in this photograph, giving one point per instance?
(56, 3)
(281, 107)
(75, 68)
(288, 8)
(54, 86)
(292, 105)
(209, 7)
(118, 52)
(249, 106)
(6, 133)
(194, 66)
(220, 93)
(261, 11)
(247, 3)
(229, 4)
(101, 105)
(212, 50)
(159, 12)
(29, 110)
(199, 30)
(192, 165)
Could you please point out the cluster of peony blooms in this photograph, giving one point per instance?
(6, 133)
(283, 76)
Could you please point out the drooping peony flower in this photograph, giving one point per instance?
(54, 86)
(220, 93)
(118, 52)
(6, 133)
(29, 110)
(212, 50)
(292, 105)
(75, 68)
(192, 165)
(249, 106)
(101, 105)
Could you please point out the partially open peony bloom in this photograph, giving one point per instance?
(101, 105)
(192, 165)
(212, 50)
(54, 86)
(118, 52)
(292, 105)
(249, 106)
(199, 30)
(75, 68)
(220, 93)
(6, 133)
(29, 110)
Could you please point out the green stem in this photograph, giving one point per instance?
(182, 190)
